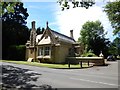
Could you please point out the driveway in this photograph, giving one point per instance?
(24, 76)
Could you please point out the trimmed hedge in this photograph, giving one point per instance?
(17, 52)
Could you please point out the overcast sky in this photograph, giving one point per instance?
(64, 21)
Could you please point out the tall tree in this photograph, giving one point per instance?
(114, 48)
(113, 11)
(7, 6)
(116, 43)
(39, 31)
(93, 37)
(15, 31)
(19, 14)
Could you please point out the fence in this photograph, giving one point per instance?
(94, 60)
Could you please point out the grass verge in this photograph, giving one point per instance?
(57, 66)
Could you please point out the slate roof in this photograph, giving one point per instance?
(63, 37)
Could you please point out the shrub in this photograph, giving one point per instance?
(16, 52)
(89, 54)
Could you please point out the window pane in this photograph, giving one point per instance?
(47, 50)
(41, 51)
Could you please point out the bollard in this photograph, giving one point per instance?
(80, 64)
(68, 64)
(88, 63)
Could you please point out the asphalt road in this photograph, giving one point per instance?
(31, 76)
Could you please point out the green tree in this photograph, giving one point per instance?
(117, 43)
(93, 37)
(113, 11)
(8, 6)
(114, 48)
(39, 30)
(14, 29)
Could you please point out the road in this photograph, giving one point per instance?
(94, 77)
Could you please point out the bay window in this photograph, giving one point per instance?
(44, 51)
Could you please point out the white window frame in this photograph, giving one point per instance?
(41, 51)
(47, 51)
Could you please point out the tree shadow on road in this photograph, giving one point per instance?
(14, 77)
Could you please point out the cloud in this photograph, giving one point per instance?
(52, 24)
(74, 18)
(34, 7)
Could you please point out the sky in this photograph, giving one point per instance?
(42, 11)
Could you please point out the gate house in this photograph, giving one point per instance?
(51, 46)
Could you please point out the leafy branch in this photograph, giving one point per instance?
(83, 3)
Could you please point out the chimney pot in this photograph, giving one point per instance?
(71, 33)
(47, 23)
(33, 24)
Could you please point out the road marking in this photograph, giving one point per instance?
(94, 82)
(98, 76)
(53, 69)
(93, 73)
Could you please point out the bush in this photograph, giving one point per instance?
(16, 52)
(89, 54)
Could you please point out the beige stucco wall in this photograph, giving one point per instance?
(31, 53)
(61, 52)
(58, 53)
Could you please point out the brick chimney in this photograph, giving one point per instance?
(33, 25)
(71, 33)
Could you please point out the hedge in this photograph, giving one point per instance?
(16, 52)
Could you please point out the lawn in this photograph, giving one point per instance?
(59, 66)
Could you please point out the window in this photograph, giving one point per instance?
(47, 51)
(44, 51)
(41, 51)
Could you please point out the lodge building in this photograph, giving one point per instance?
(51, 46)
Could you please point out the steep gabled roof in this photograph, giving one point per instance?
(63, 37)
(55, 36)
(38, 37)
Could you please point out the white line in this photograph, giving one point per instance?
(100, 76)
(94, 82)
(103, 73)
